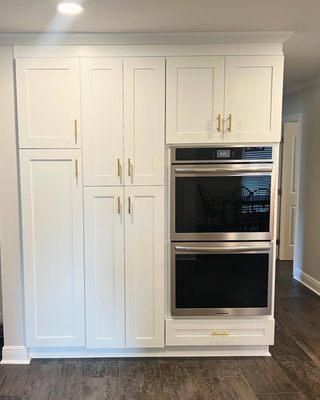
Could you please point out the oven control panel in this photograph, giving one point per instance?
(219, 154)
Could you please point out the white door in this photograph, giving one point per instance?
(52, 228)
(194, 103)
(290, 185)
(48, 96)
(102, 121)
(104, 266)
(144, 259)
(144, 100)
(253, 98)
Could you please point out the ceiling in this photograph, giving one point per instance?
(302, 50)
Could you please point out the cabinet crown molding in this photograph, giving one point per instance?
(141, 38)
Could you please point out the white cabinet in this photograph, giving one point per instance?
(132, 269)
(144, 242)
(48, 97)
(253, 98)
(224, 99)
(51, 201)
(102, 121)
(194, 103)
(144, 101)
(104, 266)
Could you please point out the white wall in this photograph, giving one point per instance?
(306, 101)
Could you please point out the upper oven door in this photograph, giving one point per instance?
(222, 202)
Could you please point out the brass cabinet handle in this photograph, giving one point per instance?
(76, 131)
(129, 167)
(76, 170)
(129, 205)
(119, 168)
(219, 333)
(119, 206)
(219, 123)
(229, 119)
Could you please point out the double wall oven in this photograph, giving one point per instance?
(222, 205)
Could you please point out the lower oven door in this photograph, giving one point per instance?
(221, 278)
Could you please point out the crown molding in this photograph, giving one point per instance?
(152, 38)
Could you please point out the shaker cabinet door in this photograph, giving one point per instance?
(104, 266)
(144, 258)
(102, 120)
(144, 101)
(253, 98)
(51, 197)
(48, 97)
(195, 95)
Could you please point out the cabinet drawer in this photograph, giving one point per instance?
(219, 332)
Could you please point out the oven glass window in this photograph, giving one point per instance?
(221, 280)
(223, 204)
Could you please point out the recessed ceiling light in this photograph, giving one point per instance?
(69, 8)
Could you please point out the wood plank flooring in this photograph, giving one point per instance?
(293, 373)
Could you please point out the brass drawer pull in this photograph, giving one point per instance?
(119, 206)
(119, 168)
(219, 123)
(219, 333)
(76, 131)
(129, 167)
(129, 205)
(229, 119)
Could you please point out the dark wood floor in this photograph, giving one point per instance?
(293, 373)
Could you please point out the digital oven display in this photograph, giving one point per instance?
(223, 153)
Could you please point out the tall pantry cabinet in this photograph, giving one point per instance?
(117, 298)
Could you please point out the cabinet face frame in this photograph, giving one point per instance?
(35, 203)
(144, 120)
(102, 128)
(144, 278)
(35, 130)
(210, 68)
(258, 63)
(104, 266)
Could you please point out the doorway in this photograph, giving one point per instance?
(289, 185)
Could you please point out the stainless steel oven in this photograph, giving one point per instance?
(221, 278)
(222, 193)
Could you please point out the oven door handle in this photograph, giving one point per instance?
(224, 250)
(253, 168)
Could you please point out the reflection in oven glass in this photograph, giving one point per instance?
(223, 204)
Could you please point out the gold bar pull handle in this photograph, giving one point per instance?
(119, 205)
(76, 131)
(76, 170)
(219, 123)
(129, 167)
(129, 205)
(229, 119)
(119, 168)
(219, 333)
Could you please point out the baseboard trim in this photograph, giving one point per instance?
(204, 351)
(15, 355)
(307, 280)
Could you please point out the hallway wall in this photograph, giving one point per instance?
(306, 101)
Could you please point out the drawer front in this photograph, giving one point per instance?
(219, 332)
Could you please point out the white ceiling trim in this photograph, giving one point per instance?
(163, 38)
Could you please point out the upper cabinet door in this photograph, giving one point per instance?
(253, 98)
(102, 121)
(144, 259)
(48, 95)
(52, 228)
(104, 264)
(144, 102)
(195, 95)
